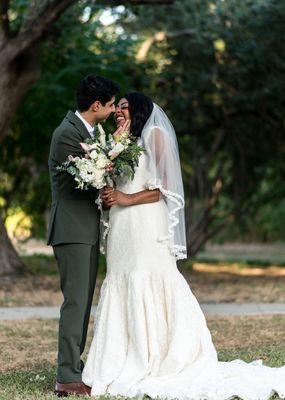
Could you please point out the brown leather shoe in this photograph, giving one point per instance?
(66, 389)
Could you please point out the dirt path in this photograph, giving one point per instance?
(221, 309)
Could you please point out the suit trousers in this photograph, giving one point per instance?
(78, 267)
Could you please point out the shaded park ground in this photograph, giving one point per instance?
(28, 347)
(229, 273)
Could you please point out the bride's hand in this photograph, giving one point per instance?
(114, 197)
(121, 129)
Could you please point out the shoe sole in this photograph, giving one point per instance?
(66, 394)
(60, 394)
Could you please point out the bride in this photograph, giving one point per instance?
(150, 335)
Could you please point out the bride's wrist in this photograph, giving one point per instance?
(131, 199)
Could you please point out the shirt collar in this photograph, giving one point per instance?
(89, 127)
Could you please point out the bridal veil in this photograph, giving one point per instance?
(164, 169)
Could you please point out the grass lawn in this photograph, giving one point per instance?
(210, 282)
(28, 350)
(249, 253)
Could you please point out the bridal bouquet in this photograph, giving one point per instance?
(104, 160)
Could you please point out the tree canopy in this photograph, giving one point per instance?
(216, 67)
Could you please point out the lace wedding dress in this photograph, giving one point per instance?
(150, 335)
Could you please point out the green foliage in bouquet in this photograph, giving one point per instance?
(104, 160)
(128, 160)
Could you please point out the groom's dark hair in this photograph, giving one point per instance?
(92, 88)
(140, 109)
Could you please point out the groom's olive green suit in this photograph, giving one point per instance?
(74, 234)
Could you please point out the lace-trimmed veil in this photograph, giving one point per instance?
(159, 140)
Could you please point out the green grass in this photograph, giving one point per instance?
(271, 356)
(37, 384)
(243, 260)
(28, 385)
(263, 256)
(41, 264)
(28, 358)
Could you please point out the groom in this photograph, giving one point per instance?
(73, 229)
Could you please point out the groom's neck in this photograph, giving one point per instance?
(89, 117)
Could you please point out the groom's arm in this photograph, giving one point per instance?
(68, 145)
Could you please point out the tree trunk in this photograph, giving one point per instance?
(10, 262)
(16, 79)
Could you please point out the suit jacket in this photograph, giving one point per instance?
(74, 216)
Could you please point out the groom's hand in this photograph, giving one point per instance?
(106, 189)
(103, 192)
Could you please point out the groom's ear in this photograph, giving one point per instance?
(95, 106)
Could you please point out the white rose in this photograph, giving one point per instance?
(102, 135)
(93, 154)
(102, 161)
(118, 148)
(98, 178)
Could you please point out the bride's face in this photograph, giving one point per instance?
(122, 112)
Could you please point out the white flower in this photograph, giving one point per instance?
(102, 161)
(118, 148)
(93, 154)
(38, 378)
(112, 154)
(98, 178)
(102, 135)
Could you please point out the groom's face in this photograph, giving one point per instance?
(103, 112)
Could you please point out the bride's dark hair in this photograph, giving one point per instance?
(140, 108)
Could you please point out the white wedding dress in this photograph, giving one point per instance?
(150, 335)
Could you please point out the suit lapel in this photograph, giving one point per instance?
(78, 124)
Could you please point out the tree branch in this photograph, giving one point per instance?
(43, 12)
(160, 37)
(35, 25)
(215, 146)
(193, 249)
(41, 16)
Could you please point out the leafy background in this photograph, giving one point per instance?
(217, 68)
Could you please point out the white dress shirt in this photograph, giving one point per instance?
(89, 127)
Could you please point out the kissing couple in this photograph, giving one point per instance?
(150, 334)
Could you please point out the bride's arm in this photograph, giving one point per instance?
(113, 197)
